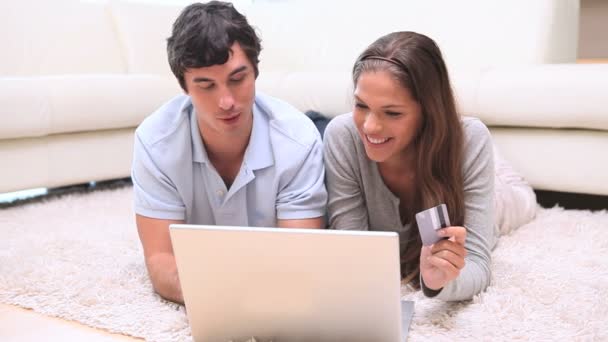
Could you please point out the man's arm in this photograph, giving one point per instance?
(317, 222)
(160, 260)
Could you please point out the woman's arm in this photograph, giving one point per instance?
(346, 204)
(478, 172)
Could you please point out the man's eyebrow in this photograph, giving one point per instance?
(201, 79)
(205, 79)
(237, 70)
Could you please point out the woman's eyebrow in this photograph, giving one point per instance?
(358, 99)
(393, 106)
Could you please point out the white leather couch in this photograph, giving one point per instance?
(77, 77)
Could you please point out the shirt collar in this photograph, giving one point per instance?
(199, 153)
(259, 151)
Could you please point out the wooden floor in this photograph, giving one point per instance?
(17, 324)
(592, 60)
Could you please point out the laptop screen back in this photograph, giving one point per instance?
(289, 284)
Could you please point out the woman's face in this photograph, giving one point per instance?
(387, 117)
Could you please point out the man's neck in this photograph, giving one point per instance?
(226, 153)
(226, 149)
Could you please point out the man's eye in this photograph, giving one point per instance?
(360, 105)
(207, 87)
(237, 79)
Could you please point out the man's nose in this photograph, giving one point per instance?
(226, 101)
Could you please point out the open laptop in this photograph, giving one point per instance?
(278, 284)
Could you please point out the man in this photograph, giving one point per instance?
(220, 154)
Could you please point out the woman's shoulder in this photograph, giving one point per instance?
(474, 129)
(340, 125)
(341, 131)
(341, 142)
(478, 147)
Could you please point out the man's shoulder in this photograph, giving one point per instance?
(167, 121)
(287, 123)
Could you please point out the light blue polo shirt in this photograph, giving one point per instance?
(282, 175)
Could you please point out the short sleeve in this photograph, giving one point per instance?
(305, 196)
(155, 195)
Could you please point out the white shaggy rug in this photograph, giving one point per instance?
(78, 257)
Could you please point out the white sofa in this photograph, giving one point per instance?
(77, 77)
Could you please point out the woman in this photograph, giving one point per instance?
(404, 149)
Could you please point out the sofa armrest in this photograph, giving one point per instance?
(543, 96)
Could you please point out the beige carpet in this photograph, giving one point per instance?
(78, 257)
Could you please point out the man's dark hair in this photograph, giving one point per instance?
(203, 35)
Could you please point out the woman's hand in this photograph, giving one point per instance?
(441, 262)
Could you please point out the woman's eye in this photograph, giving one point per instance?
(392, 113)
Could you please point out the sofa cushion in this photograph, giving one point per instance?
(549, 96)
(45, 40)
(39, 106)
(558, 160)
(63, 159)
(329, 93)
(543, 96)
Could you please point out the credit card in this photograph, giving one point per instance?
(429, 221)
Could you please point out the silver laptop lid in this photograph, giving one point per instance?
(289, 284)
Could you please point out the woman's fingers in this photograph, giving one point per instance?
(455, 233)
(445, 266)
(442, 262)
(452, 251)
(451, 246)
(454, 259)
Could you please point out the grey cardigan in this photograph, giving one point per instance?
(359, 199)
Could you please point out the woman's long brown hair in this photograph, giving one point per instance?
(416, 62)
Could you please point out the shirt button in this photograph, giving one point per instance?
(220, 193)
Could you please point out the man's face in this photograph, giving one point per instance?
(223, 95)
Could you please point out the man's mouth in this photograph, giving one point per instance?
(231, 118)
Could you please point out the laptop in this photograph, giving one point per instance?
(295, 285)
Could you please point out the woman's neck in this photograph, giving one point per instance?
(403, 163)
